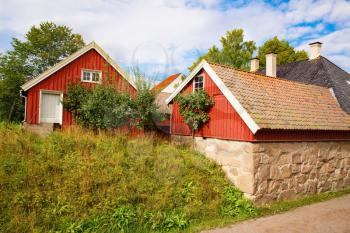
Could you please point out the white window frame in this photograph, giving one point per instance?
(91, 72)
(194, 82)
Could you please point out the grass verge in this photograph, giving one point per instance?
(76, 181)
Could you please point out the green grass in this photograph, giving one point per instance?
(76, 181)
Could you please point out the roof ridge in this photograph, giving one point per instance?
(265, 76)
(339, 68)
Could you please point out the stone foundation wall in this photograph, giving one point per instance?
(267, 172)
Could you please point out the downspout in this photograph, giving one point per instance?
(171, 118)
(25, 105)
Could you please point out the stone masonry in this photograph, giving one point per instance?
(267, 172)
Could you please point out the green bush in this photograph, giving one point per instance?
(104, 107)
(77, 181)
(194, 108)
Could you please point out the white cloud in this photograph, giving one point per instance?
(162, 32)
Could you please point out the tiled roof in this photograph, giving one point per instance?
(275, 103)
(163, 84)
(320, 72)
(160, 102)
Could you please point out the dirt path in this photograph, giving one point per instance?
(331, 216)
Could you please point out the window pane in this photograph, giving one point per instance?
(198, 82)
(95, 77)
(86, 76)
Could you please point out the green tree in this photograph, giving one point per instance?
(145, 112)
(235, 51)
(43, 47)
(285, 52)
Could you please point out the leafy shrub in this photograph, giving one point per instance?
(104, 107)
(194, 108)
(235, 204)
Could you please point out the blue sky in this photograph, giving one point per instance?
(164, 37)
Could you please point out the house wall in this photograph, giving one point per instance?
(225, 123)
(268, 171)
(71, 73)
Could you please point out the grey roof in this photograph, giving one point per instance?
(321, 72)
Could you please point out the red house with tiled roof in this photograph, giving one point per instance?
(90, 66)
(255, 107)
(275, 139)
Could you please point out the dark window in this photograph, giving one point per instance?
(93, 76)
(198, 83)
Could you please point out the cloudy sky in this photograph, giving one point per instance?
(167, 36)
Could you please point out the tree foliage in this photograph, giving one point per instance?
(235, 51)
(43, 47)
(194, 108)
(285, 52)
(144, 109)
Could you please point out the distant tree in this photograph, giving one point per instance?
(43, 47)
(285, 52)
(235, 51)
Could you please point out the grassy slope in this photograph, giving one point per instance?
(77, 181)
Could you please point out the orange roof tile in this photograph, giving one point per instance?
(163, 84)
(274, 103)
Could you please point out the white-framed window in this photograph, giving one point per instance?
(198, 83)
(92, 76)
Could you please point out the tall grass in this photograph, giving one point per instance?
(76, 181)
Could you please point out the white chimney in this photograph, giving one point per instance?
(315, 50)
(271, 60)
(254, 64)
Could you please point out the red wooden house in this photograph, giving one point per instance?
(254, 107)
(274, 138)
(90, 66)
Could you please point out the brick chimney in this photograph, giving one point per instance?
(271, 62)
(254, 64)
(315, 50)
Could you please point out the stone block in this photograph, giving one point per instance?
(245, 183)
(296, 168)
(287, 195)
(284, 158)
(301, 178)
(273, 186)
(296, 158)
(305, 169)
(264, 172)
(274, 173)
(286, 171)
(262, 188)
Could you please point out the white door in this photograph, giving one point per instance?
(51, 108)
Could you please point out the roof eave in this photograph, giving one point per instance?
(93, 45)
